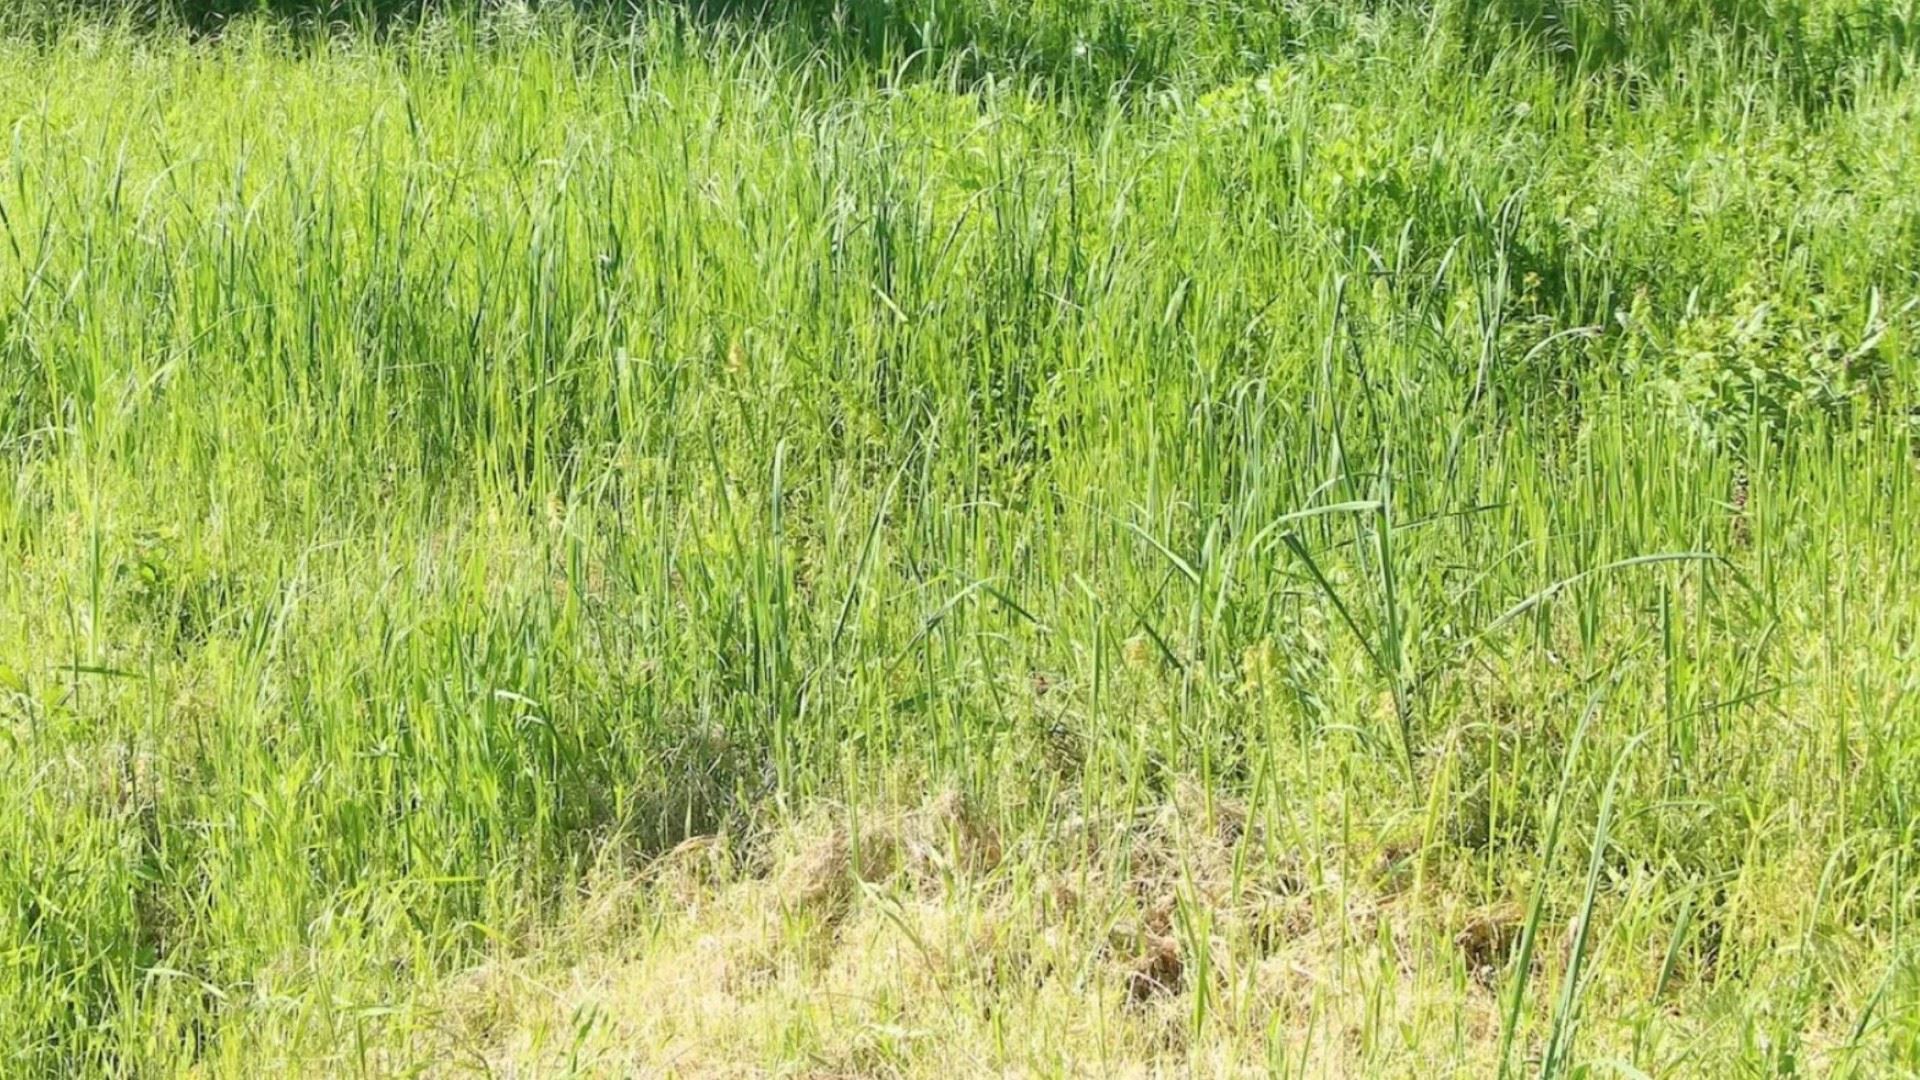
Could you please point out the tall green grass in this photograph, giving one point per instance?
(435, 458)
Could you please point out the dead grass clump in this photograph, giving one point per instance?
(1158, 971)
(738, 959)
(1151, 964)
(1191, 841)
(1271, 922)
(819, 874)
(949, 838)
(693, 867)
(883, 951)
(619, 889)
(1487, 939)
(822, 865)
(478, 1006)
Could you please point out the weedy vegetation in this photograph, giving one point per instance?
(1083, 537)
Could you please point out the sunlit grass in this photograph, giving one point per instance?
(692, 544)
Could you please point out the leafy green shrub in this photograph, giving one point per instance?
(1765, 361)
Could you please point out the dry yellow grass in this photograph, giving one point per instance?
(942, 950)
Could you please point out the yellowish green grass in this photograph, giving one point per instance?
(1048, 539)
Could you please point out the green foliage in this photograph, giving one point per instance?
(1807, 46)
(1758, 369)
(445, 455)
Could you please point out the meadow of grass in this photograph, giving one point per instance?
(1061, 538)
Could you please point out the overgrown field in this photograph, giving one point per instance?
(1082, 537)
